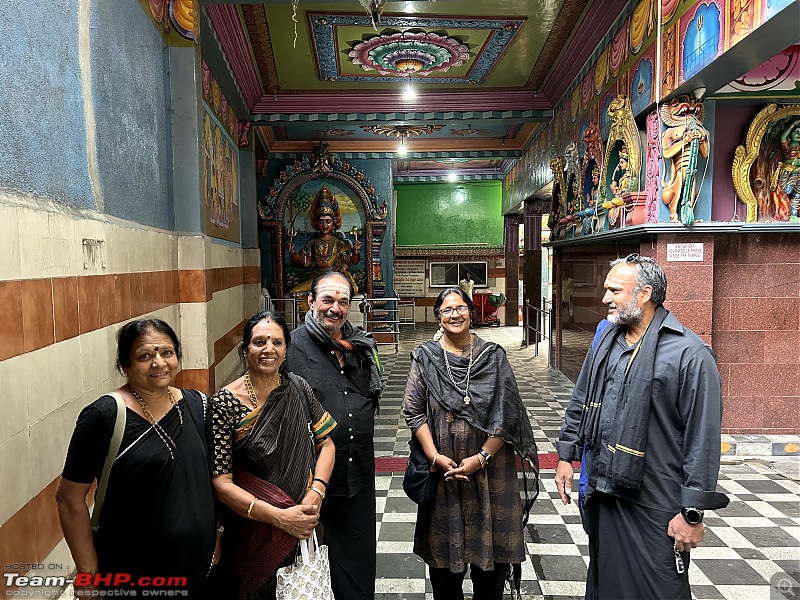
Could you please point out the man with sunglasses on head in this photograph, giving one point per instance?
(646, 415)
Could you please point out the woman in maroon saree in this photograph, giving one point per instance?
(271, 458)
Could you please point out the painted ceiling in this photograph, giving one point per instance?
(483, 73)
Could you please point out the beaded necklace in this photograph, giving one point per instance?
(168, 441)
(455, 383)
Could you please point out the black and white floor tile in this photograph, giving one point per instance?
(751, 549)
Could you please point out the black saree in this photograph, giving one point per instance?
(158, 515)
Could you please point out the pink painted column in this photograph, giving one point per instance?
(652, 171)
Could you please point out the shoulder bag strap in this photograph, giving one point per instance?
(302, 391)
(113, 449)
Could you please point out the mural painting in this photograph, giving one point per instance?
(182, 15)
(702, 38)
(323, 214)
(316, 217)
(766, 169)
(220, 181)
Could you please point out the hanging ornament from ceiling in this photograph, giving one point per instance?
(374, 9)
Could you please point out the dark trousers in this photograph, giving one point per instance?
(350, 533)
(630, 554)
(486, 585)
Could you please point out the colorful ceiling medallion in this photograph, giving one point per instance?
(409, 53)
(408, 47)
(401, 131)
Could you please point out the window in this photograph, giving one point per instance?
(448, 274)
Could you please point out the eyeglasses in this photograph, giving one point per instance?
(446, 312)
(633, 258)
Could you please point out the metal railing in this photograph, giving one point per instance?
(537, 325)
(288, 308)
(381, 316)
(406, 312)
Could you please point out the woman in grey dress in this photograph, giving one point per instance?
(463, 406)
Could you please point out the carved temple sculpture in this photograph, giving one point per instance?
(766, 169)
(558, 205)
(590, 177)
(619, 187)
(306, 207)
(683, 142)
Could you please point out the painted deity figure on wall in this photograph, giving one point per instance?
(683, 141)
(785, 184)
(327, 249)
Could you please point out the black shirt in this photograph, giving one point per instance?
(344, 393)
(683, 439)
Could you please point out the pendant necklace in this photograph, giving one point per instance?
(467, 399)
(168, 441)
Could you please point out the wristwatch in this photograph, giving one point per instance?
(486, 456)
(692, 515)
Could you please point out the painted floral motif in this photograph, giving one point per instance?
(409, 53)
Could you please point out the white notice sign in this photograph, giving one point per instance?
(685, 252)
(409, 278)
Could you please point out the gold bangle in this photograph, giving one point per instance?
(321, 494)
(434, 459)
(482, 461)
(250, 508)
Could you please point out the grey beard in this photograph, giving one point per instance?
(627, 315)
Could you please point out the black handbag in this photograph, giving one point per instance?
(419, 482)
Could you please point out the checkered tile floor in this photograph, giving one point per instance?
(751, 549)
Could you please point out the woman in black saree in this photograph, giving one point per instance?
(271, 458)
(158, 516)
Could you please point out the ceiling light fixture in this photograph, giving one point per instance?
(409, 93)
(403, 148)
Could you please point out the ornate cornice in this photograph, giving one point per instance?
(255, 19)
(562, 27)
(450, 252)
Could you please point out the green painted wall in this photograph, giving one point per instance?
(450, 213)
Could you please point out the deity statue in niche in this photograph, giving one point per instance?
(621, 175)
(684, 140)
(619, 183)
(327, 249)
(587, 215)
(785, 180)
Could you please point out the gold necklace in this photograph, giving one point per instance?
(168, 441)
(251, 394)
